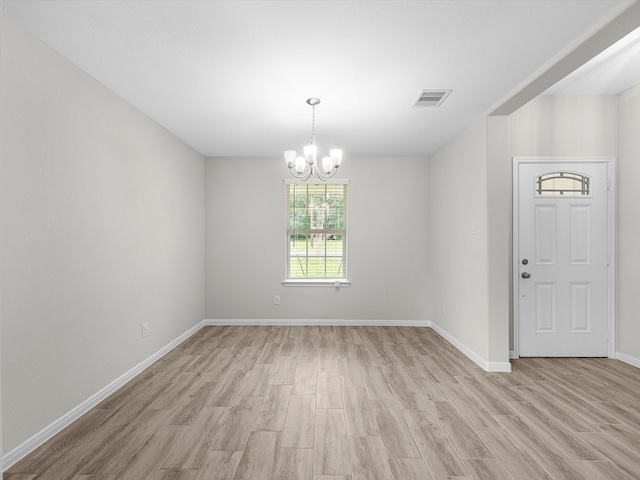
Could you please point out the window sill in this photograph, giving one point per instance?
(317, 282)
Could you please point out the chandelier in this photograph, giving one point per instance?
(304, 167)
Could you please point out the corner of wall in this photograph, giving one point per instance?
(483, 363)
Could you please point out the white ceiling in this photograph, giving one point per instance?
(231, 78)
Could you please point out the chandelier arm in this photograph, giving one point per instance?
(302, 176)
(324, 177)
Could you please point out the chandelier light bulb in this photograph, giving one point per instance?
(311, 154)
(336, 157)
(290, 158)
(327, 164)
(301, 164)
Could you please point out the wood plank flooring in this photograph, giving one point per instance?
(350, 403)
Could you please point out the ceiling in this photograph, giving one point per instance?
(231, 78)
(611, 72)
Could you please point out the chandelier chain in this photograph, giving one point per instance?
(313, 124)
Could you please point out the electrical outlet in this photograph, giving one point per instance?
(145, 330)
(276, 299)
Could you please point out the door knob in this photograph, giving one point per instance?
(526, 275)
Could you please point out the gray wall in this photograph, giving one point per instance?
(499, 238)
(565, 125)
(628, 283)
(102, 221)
(458, 257)
(387, 243)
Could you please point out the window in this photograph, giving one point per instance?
(316, 234)
(562, 183)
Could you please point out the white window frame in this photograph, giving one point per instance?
(316, 282)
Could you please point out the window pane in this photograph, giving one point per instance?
(297, 267)
(298, 244)
(315, 267)
(562, 183)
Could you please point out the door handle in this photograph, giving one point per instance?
(526, 275)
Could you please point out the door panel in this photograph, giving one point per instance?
(545, 307)
(562, 265)
(545, 234)
(580, 307)
(580, 234)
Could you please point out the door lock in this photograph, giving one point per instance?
(526, 275)
(525, 261)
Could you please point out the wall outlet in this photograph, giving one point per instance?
(276, 299)
(145, 330)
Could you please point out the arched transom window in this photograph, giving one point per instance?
(562, 183)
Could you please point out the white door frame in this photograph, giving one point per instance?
(611, 241)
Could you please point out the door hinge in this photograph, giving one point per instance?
(608, 260)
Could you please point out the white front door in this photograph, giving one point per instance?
(562, 256)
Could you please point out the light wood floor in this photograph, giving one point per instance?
(347, 403)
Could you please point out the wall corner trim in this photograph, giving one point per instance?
(623, 357)
(477, 359)
(61, 423)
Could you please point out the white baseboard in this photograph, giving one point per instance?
(45, 434)
(623, 357)
(349, 322)
(512, 354)
(481, 362)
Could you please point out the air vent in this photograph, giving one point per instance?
(431, 98)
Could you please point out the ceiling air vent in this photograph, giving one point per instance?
(431, 98)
